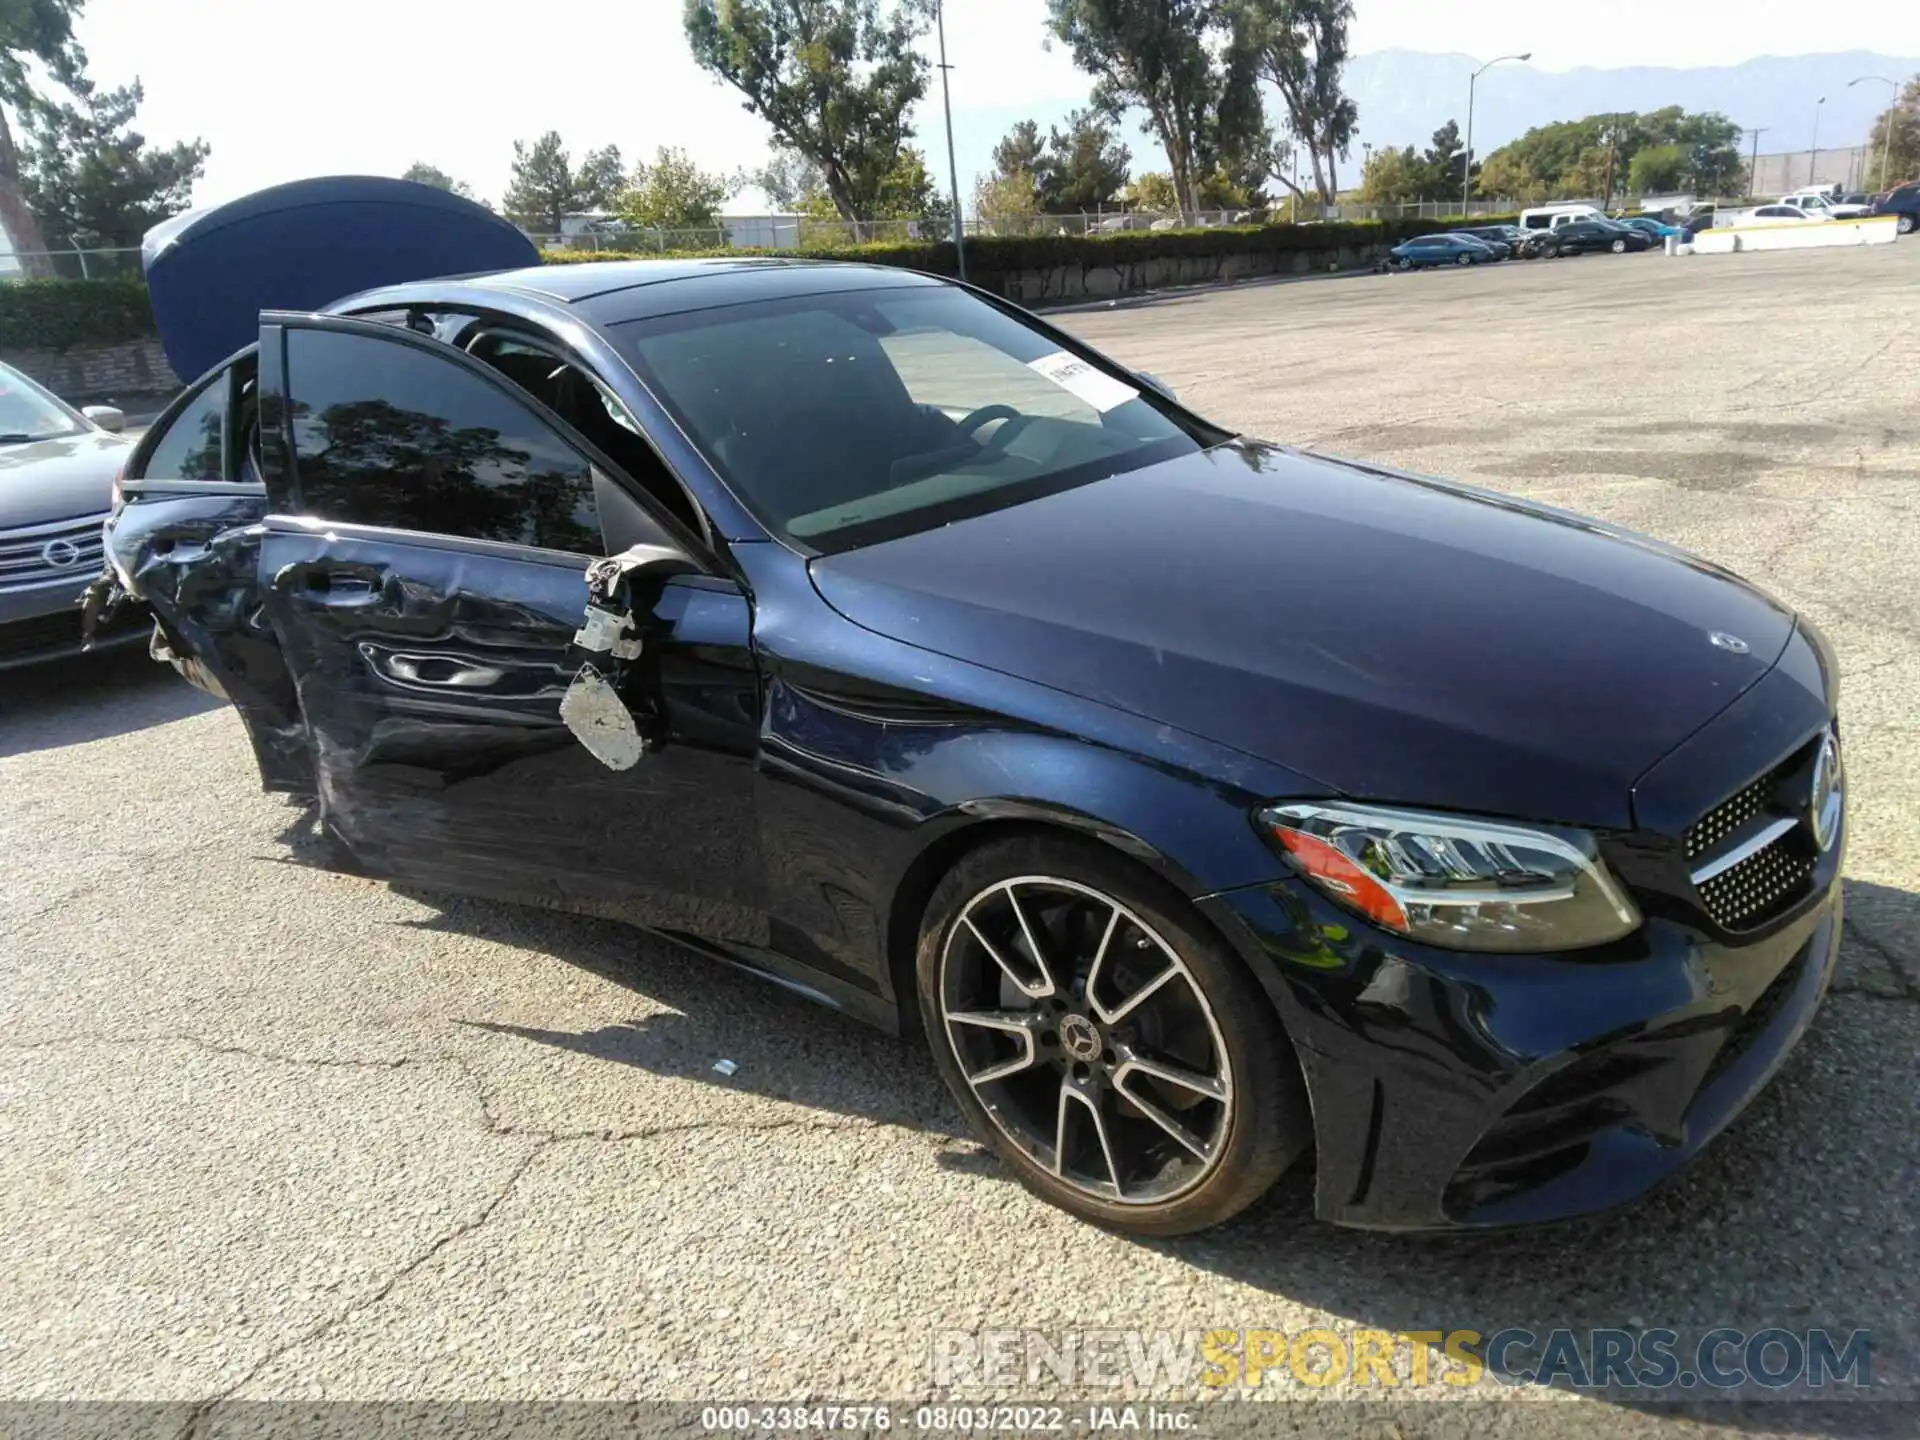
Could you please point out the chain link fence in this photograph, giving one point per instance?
(72, 263)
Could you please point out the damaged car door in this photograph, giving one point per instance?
(425, 565)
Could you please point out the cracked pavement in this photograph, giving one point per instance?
(271, 1131)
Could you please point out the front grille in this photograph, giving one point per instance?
(1753, 855)
(1729, 817)
(62, 550)
(1760, 886)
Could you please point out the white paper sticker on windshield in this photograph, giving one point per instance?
(1081, 380)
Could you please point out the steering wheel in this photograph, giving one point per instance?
(967, 424)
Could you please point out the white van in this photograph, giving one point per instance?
(1552, 217)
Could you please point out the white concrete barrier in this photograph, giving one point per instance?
(1798, 235)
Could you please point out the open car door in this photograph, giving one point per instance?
(424, 566)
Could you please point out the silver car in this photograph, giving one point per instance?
(57, 467)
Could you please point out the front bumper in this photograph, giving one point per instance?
(1452, 1090)
(42, 622)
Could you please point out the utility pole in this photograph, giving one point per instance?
(953, 171)
(1753, 168)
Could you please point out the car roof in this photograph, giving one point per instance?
(611, 292)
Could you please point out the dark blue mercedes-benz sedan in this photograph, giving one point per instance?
(1202, 800)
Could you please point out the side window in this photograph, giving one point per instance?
(388, 434)
(190, 448)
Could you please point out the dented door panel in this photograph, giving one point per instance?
(431, 672)
(193, 557)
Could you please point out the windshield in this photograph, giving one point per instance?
(28, 413)
(849, 418)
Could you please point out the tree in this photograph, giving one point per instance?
(1393, 177)
(1155, 192)
(1573, 159)
(1006, 197)
(422, 173)
(1443, 155)
(90, 178)
(1079, 168)
(601, 180)
(1152, 54)
(789, 180)
(1086, 164)
(1657, 168)
(1896, 137)
(834, 79)
(546, 188)
(30, 30)
(908, 192)
(1300, 46)
(673, 193)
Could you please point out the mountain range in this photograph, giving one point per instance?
(1405, 95)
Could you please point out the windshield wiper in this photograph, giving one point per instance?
(17, 437)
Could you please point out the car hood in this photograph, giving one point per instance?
(59, 478)
(1395, 638)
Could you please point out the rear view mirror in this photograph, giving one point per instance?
(108, 417)
(1154, 382)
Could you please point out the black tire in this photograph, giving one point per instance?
(1619, 247)
(1254, 1130)
(1463, 258)
(1906, 224)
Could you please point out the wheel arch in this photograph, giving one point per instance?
(982, 823)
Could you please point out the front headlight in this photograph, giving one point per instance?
(1452, 880)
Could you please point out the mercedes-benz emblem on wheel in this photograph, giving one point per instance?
(1824, 803)
(1078, 1037)
(60, 554)
(1729, 642)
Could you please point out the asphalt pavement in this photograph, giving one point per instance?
(269, 1131)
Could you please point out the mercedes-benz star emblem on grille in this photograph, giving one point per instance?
(1729, 642)
(60, 553)
(1824, 804)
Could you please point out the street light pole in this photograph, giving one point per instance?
(953, 171)
(1814, 158)
(1886, 133)
(1466, 170)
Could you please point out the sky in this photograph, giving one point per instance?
(283, 89)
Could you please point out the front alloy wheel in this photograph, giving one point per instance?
(1121, 1062)
(1619, 247)
(1463, 258)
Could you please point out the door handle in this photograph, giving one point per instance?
(449, 672)
(339, 583)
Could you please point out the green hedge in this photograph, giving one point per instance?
(57, 314)
(997, 254)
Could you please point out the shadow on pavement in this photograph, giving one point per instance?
(1802, 1215)
(91, 697)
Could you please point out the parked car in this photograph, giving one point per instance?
(1525, 244)
(870, 633)
(1819, 203)
(1427, 250)
(1655, 230)
(1552, 217)
(1500, 249)
(1903, 201)
(1580, 237)
(57, 467)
